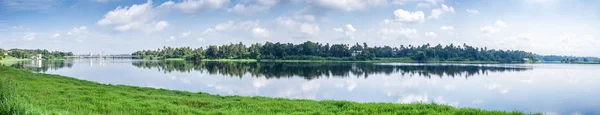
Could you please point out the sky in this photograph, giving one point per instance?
(549, 27)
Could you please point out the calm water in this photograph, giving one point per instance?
(549, 88)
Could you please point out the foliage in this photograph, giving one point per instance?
(53, 94)
(568, 59)
(28, 53)
(317, 51)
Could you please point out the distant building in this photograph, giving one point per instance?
(526, 60)
(37, 57)
(356, 53)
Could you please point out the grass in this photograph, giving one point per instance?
(10, 59)
(24, 92)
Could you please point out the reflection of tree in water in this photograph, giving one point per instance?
(43, 67)
(316, 70)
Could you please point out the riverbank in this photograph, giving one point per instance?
(24, 92)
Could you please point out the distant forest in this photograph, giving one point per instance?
(568, 59)
(28, 53)
(318, 51)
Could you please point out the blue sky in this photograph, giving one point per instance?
(561, 27)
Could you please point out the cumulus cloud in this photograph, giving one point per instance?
(310, 29)
(429, 2)
(500, 23)
(261, 32)
(29, 36)
(248, 7)
(436, 13)
(137, 17)
(347, 5)
(236, 25)
(348, 31)
(185, 34)
(55, 35)
(446, 28)
(386, 33)
(301, 23)
(401, 15)
(21, 27)
(487, 30)
(471, 11)
(252, 27)
(78, 30)
(171, 38)
(430, 34)
(193, 6)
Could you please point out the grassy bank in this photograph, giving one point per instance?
(24, 92)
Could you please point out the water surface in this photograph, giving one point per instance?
(549, 88)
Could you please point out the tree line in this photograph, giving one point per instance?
(28, 53)
(318, 51)
(567, 59)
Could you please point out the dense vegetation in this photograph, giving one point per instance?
(317, 51)
(24, 92)
(28, 53)
(568, 59)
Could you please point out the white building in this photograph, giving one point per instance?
(356, 53)
(37, 57)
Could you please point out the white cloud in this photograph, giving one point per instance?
(431, 2)
(446, 28)
(78, 30)
(500, 23)
(348, 31)
(300, 23)
(487, 30)
(401, 15)
(261, 32)
(250, 7)
(55, 35)
(541, 1)
(386, 33)
(471, 11)
(235, 25)
(185, 34)
(21, 27)
(193, 6)
(252, 27)
(171, 38)
(309, 29)
(347, 5)
(436, 13)
(137, 17)
(430, 34)
(29, 36)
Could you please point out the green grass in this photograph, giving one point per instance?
(24, 92)
(10, 59)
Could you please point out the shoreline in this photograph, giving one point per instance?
(34, 93)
